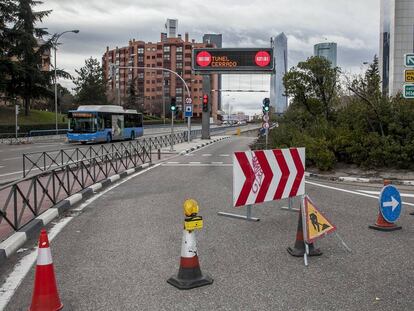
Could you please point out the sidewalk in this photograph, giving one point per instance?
(355, 174)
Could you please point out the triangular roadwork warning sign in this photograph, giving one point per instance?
(316, 225)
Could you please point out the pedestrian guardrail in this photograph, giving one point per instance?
(25, 199)
(44, 161)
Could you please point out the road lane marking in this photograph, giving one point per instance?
(207, 155)
(349, 191)
(197, 165)
(406, 195)
(15, 158)
(20, 270)
(224, 155)
(173, 162)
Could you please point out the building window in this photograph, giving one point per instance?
(153, 49)
(166, 48)
(179, 99)
(148, 49)
(167, 56)
(140, 58)
(179, 49)
(179, 56)
(178, 91)
(140, 50)
(179, 65)
(148, 57)
(141, 75)
(166, 74)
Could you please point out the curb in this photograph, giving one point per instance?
(31, 230)
(360, 179)
(203, 145)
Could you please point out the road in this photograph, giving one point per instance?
(118, 249)
(11, 156)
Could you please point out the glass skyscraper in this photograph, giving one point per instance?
(396, 39)
(327, 50)
(278, 99)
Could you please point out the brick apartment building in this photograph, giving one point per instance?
(172, 53)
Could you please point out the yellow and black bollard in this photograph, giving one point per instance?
(189, 274)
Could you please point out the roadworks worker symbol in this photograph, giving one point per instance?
(316, 224)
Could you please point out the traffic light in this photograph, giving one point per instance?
(173, 105)
(205, 103)
(266, 105)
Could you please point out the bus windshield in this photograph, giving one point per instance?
(82, 125)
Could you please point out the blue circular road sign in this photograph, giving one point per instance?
(390, 203)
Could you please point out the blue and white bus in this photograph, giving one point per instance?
(104, 123)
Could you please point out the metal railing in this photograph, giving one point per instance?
(47, 160)
(23, 200)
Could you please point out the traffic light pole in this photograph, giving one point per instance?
(172, 131)
(267, 133)
(205, 121)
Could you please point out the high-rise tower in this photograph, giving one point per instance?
(396, 39)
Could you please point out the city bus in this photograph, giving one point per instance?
(96, 123)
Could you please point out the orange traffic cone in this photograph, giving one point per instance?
(45, 293)
(189, 274)
(382, 224)
(299, 249)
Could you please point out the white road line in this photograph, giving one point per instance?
(173, 162)
(21, 269)
(349, 191)
(406, 195)
(189, 155)
(224, 155)
(207, 155)
(9, 159)
(216, 162)
(195, 163)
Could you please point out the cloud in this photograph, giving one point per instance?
(354, 25)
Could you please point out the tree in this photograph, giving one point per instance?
(313, 84)
(368, 89)
(7, 17)
(133, 100)
(90, 84)
(27, 47)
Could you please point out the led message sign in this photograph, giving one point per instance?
(233, 60)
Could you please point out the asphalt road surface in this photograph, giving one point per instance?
(119, 249)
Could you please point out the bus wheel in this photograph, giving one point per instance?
(108, 138)
(132, 135)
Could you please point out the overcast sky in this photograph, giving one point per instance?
(353, 25)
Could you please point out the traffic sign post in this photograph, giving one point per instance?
(409, 60)
(188, 114)
(390, 203)
(409, 76)
(390, 206)
(408, 91)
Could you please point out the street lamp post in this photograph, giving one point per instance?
(56, 97)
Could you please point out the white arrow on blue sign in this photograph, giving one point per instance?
(409, 60)
(390, 203)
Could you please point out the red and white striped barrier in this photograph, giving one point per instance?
(268, 175)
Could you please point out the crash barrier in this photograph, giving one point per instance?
(34, 162)
(23, 200)
(189, 273)
(270, 175)
(47, 132)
